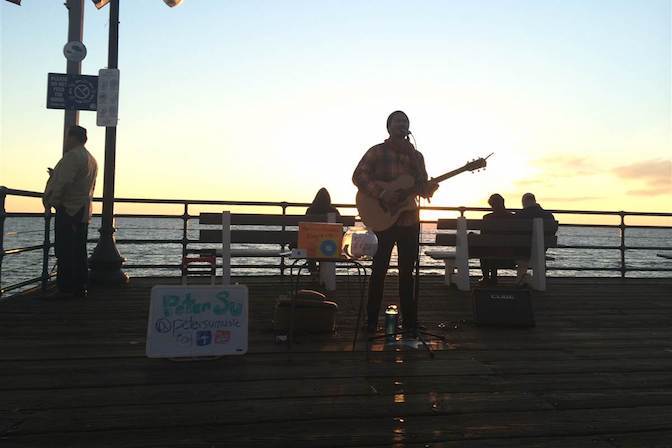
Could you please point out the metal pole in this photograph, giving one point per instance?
(3, 195)
(106, 261)
(185, 220)
(75, 33)
(622, 248)
(283, 247)
(45, 250)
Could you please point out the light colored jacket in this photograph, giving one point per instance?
(72, 183)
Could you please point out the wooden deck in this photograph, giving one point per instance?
(595, 372)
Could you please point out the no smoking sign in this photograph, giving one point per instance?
(72, 92)
(83, 91)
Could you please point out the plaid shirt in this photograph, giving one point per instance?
(385, 163)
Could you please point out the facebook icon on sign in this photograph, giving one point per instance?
(203, 338)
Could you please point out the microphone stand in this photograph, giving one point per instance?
(416, 332)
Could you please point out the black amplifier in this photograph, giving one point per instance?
(503, 307)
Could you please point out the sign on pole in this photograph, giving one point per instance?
(72, 92)
(74, 51)
(196, 321)
(108, 97)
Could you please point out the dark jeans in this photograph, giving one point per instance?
(406, 239)
(70, 248)
(490, 266)
(489, 269)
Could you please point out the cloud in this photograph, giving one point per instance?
(534, 182)
(655, 173)
(572, 199)
(568, 165)
(651, 191)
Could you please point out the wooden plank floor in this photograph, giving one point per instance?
(596, 371)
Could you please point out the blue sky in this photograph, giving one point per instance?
(272, 100)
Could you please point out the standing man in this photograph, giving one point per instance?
(385, 162)
(70, 191)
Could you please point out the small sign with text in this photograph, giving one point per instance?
(196, 321)
(108, 97)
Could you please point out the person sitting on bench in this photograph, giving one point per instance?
(321, 205)
(531, 209)
(489, 266)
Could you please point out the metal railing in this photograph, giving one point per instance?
(283, 207)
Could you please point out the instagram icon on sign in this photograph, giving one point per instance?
(222, 336)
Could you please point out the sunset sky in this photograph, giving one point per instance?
(271, 100)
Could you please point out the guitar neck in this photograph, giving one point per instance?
(449, 174)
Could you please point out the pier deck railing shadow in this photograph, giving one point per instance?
(188, 214)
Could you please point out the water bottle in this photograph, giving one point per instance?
(391, 319)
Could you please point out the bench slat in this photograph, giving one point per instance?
(451, 224)
(441, 254)
(517, 241)
(241, 253)
(250, 236)
(252, 219)
(495, 241)
(497, 226)
(446, 239)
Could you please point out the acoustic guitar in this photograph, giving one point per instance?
(378, 216)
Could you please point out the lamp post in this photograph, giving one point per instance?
(106, 261)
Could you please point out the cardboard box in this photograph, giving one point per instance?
(321, 240)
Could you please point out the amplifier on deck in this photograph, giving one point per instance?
(503, 307)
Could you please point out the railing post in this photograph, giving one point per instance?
(3, 195)
(283, 248)
(462, 210)
(185, 220)
(622, 247)
(45, 249)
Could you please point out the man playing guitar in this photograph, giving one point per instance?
(384, 162)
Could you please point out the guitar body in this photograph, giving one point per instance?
(375, 215)
(378, 217)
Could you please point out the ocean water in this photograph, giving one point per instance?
(21, 232)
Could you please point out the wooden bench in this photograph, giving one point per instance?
(247, 231)
(502, 239)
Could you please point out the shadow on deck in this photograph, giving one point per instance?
(596, 371)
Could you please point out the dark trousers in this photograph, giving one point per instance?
(489, 269)
(70, 248)
(406, 239)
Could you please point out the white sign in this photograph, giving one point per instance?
(193, 321)
(74, 51)
(107, 113)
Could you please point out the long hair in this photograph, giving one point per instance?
(321, 203)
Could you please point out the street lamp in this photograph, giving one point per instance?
(106, 261)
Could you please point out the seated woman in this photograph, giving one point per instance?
(321, 205)
(489, 266)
